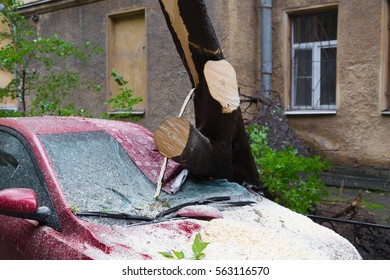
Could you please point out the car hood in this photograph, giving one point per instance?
(264, 230)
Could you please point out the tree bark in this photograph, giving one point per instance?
(218, 147)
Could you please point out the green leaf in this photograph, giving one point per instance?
(200, 256)
(198, 246)
(179, 255)
(74, 208)
(168, 255)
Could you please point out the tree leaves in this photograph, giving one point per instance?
(41, 65)
(198, 246)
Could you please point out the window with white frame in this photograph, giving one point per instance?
(314, 49)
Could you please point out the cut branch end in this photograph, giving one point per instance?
(171, 136)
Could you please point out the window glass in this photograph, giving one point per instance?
(303, 77)
(315, 28)
(328, 76)
(16, 167)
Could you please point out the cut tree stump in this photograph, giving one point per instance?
(222, 83)
(218, 146)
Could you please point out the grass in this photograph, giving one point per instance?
(372, 206)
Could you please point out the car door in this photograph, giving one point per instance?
(22, 238)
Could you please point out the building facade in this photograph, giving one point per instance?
(138, 45)
(330, 61)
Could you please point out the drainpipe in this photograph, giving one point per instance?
(265, 7)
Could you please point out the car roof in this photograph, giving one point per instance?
(54, 125)
(137, 140)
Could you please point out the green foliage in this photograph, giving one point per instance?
(167, 255)
(124, 101)
(74, 208)
(291, 180)
(372, 206)
(178, 254)
(10, 114)
(38, 65)
(198, 246)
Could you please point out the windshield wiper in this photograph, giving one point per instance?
(196, 202)
(113, 215)
(239, 203)
(223, 199)
(118, 215)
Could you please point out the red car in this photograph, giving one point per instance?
(76, 188)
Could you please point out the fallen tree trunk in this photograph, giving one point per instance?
(218, 147)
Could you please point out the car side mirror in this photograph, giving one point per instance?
(23, 203)
(18, 201)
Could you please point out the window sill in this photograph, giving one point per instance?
(385, 113)
(310, 112)
(135, 112)
(8, 107)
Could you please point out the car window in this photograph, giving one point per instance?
(18, 169)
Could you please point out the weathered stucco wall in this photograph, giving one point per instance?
(357, 135)
(167, 82)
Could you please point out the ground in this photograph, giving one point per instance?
(374, 207)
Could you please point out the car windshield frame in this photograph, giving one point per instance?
(97, 175)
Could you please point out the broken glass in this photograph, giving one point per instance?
(97, 175)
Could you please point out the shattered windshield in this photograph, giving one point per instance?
(97, 174)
